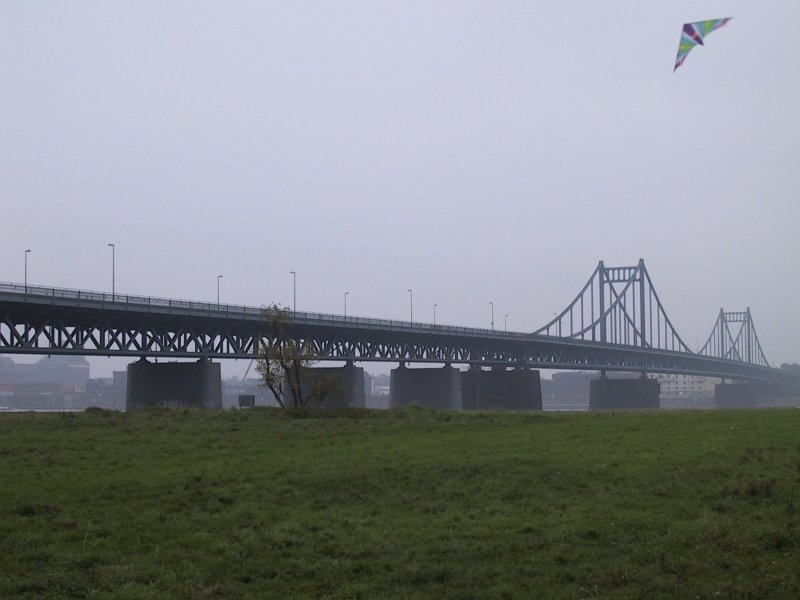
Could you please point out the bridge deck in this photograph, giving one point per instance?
(45, 320)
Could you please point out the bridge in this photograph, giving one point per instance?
(616, 322)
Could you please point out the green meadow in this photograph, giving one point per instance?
(400, 504)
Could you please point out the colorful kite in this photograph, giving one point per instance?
(693, 34)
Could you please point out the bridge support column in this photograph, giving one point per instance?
(434, 388)
(347, 386)
(501, 389)
(471, 388)
(754, 395)
(186, 385)
(624, 394)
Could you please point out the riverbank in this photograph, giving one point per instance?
(400, 504)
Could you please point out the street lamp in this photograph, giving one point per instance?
(411, 300)
(506, 322)
(294, 291)
(113, 268)
(434, 313)
(218, 278)
(492, 305)
(26, 270)
(345, 305)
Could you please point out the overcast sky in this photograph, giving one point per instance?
(475, 152)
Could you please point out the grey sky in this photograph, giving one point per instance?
(471, 151)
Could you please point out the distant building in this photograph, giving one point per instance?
(567, 390)
(72, 371)
(234, 387)
(687, 390)
(52, 382)
(376, 390)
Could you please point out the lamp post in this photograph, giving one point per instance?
(26, 269)
(411, 304)
(113, 268)
(492, 305)
(345, 305)
(294, 291)
(434, 313)
(218, 278)
(506, 322)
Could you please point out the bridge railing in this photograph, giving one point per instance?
(128, 302)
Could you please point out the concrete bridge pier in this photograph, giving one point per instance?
(755, 395)
(736, 395)
(184, 385)
(434, 388)
(501, 389)
(347, 386)
(624, 394)
(471, 388)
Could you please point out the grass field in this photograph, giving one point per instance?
(400, 504)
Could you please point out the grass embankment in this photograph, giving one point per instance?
(400, 504)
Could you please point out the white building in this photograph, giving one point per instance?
(687, 387)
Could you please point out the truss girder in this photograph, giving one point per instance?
(95, 335)
(62, 327)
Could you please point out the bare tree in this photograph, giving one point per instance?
(285, 366)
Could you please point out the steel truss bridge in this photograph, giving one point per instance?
(616, 322)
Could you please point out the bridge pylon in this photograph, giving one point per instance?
(618, 305)
(734, 337)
